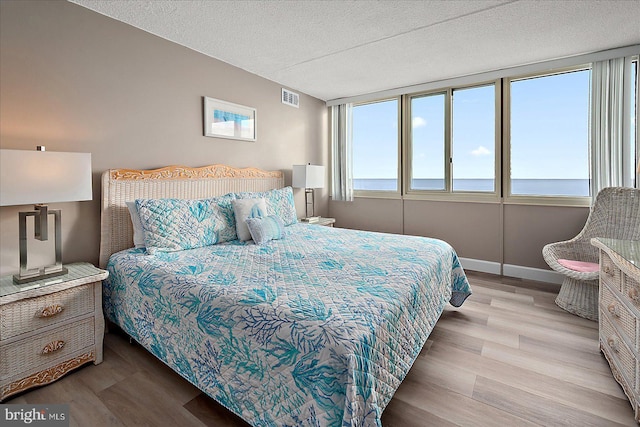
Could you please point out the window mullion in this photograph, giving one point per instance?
(499, 139)
(506, 138)
(448, 125)
(405, 144)
(400, 168)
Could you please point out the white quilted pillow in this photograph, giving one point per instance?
(247, 208)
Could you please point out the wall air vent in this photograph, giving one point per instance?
(290, 98)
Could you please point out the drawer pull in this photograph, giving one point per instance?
(613, 343)
(634, 294)
(53, 346)
(50, 310)
(614, 309)
(608, 270)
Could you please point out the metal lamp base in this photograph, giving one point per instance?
(309, 199)
(39, 276)
(41, 231)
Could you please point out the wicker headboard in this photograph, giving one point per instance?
(180, 182)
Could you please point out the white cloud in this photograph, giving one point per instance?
(418, 122)
(481, 151)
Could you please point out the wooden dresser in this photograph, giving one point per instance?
(49, 327)
(619, 309)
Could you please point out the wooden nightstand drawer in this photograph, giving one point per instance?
(30, 353)
(622, 318)
(631, 290)
(618, 352)
(609, 272)
(34, 313)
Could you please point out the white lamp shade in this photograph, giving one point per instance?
(32, 177)
(308, 176)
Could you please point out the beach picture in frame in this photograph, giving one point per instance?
(224, 119)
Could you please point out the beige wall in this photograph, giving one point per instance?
(473, 229)
(75, 80)
(384, 215)
(508, 234)
(529, 228)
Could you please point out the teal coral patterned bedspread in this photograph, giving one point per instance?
(317, 329)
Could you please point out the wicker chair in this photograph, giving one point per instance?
(615, 215)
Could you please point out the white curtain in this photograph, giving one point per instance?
(607, 130)
(342, 153)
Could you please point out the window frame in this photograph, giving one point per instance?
(408, 128)
(546, 200)
(502, 80)
(448, 193)
(382, 194)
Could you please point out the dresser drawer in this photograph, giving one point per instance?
(631, 290)
(623, 319)
(609, 272)
(30, 314)
(45, 350)
(618, 351)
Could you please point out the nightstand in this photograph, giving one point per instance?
(49, 327)
(327, 222)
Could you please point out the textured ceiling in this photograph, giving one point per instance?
(335, 49)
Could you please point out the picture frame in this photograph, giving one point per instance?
(222, 119)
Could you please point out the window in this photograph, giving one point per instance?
(375, 146)
(549, 135)
(428, 142)
(474, 139)
(456, 154)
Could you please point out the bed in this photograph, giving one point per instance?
(316, 328)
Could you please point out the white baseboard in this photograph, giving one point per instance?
(530, 273)
(480, 265)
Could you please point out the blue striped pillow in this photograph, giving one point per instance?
(265, 228)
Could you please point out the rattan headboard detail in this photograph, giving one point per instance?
(180, 182)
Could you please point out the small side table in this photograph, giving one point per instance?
(326, 222)
(49, 327)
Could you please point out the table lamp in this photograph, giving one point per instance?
(38, 177)
(308, 177)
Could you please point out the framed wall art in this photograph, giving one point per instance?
(224, 119)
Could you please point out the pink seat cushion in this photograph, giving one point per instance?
(580, 266)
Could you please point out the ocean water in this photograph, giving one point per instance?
(525, 187)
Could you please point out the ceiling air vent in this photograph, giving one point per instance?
(290, 98)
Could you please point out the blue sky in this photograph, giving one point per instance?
(375, 137)
(549, 132)
(550, 127)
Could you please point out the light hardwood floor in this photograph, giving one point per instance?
(508, 357)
